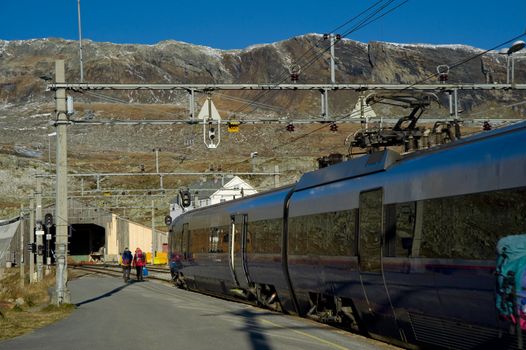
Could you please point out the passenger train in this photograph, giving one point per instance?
(398, 247)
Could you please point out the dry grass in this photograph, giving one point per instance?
(35, 311)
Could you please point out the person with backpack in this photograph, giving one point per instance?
(127, 258)
(139, 261)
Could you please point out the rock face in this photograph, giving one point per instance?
(22, 63)
(26, 108)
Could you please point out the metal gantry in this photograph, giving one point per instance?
(323, 89)
(281, 87)
(60, 87)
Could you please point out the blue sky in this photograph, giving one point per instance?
(238, 24)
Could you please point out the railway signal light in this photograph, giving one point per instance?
(333, 127)
(186, 199)
(443, 73)
(40, 249)
(211, 133)
(294, 70)
(233, 126)
(48, 220)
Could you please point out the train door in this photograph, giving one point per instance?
(185, 243)
(377, 310)
(238, 244)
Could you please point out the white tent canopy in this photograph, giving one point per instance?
(7, 231)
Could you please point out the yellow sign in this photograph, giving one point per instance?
(233, 126)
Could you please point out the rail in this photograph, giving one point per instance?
(156, 273)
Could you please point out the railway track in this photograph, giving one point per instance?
(155, 273)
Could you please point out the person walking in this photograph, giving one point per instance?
(139, 261)
(127, 258)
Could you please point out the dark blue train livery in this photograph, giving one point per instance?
(399, 247)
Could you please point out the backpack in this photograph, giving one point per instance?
(511, 279)
(127, 257)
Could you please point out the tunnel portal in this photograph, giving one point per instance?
(86, 239)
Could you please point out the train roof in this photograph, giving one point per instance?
(382, 160)
(364, 165)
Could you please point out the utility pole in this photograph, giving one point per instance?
(32, 238)
(333, 72)
(156, 150)
(455, 92)
(38, 228)
(21, 258)
(154, 240)
(61, 205)
(276, 176)
(191, 104)
(325, 92)
(80, 44)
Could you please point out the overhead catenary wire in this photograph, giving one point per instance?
(367, 20)
(315, 48)
(434, 75)
(364, 22)
(225, 96)
(254, 102)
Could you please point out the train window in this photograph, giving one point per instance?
(399, 221)
(222, 232)
(213, 241)
(199, 241)
(330, 233)
(266, 236)
(341, 233)
(469, 226)
(370, 234)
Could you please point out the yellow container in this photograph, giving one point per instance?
(161, 258)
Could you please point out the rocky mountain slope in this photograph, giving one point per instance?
(26, 108)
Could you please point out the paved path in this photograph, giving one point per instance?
(150, 315)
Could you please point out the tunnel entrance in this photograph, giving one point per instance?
(86, 239)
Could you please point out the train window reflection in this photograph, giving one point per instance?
(266, 236)
(399, 229)
(199, 241)
(329, 234)
(370, 218)
(469, 226)
(213, 244)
